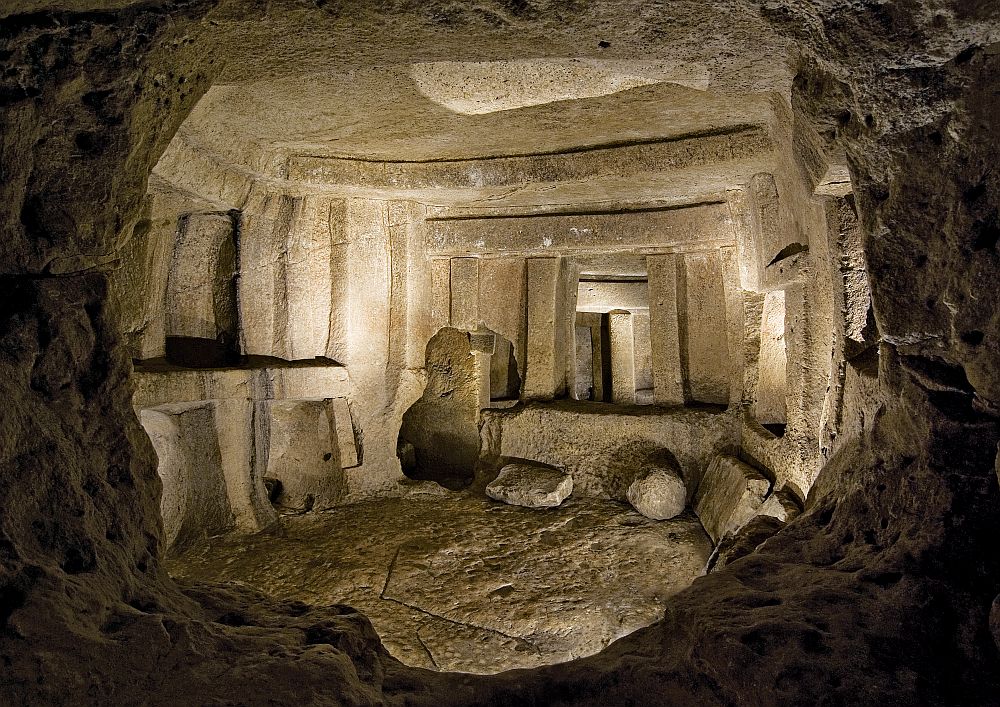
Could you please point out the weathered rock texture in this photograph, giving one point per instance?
(879, 593)
(658, 493)
(530, 485)
(525, 587)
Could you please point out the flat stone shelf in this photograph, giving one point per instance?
(463, 583)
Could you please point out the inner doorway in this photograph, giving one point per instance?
(612, 343)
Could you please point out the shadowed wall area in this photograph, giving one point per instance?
(240, 223)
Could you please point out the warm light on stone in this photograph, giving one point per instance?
(363, 353)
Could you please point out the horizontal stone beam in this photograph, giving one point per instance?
(691, 227)
(158, 385)
(596, 296)
(736, 143)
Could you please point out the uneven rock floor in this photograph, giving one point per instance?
(462, 583)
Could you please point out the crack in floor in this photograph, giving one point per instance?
(385, 588)
(388, 574)
(516, 639)
(427, 650)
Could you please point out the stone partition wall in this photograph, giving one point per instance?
(603, 468)
(327, 275)
(238, 426)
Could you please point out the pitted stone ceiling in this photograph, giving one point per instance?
(456, 81)
(384, 113)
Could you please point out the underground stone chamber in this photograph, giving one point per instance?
(350, 351)
(323, 339)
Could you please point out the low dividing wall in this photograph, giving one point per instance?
(601, 445)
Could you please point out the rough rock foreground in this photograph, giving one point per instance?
(879, 593)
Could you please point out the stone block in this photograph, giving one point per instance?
(730, 494)
(502, 304)
(782, 504)
(201, 311)
(440, 294)
(194, 501)
(643, 357)
(531, 486)
(704, 319)
(302, 453)
(548, 234)
(465, 293)
(317, 224)
(735, 322)
(744, 541)
(602, 296)
(344, 428)
(543, 377)
(770, 406)
(263, 228)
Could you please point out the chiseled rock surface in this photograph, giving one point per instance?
(530, 485)
(781, 504)
(729, 495)
(658, 494)
(464, 584)
(744, 541)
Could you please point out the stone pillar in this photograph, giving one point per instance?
(543, 377)
(622, 356)
(772, 382)
(419, 288)
(589, 325)
(643, 357)
(465, 293)
(483, 345)
(317, 224)
(735, 322)
(201, 316)
(504, 385)
(440, 296)
(340, 413)
(583, 378)
(601, 392)
(502, 304)
(266, 220)
(664, 332)
(705, 320)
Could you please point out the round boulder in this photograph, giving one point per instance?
(658, 494)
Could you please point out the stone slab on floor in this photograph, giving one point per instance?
(531, 486)
(464, 584)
